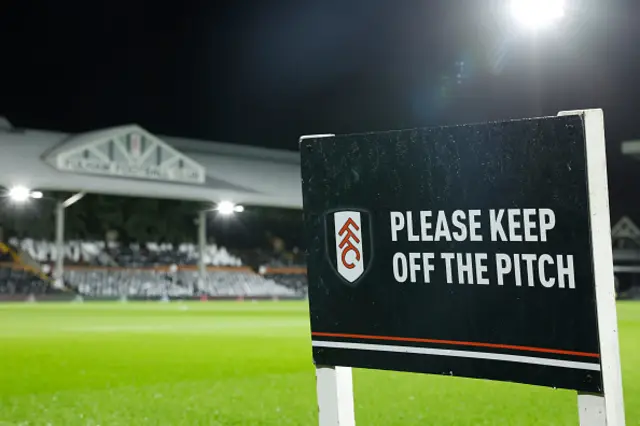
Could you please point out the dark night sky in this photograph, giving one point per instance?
(265, 72)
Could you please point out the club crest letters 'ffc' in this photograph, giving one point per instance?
(349, 243)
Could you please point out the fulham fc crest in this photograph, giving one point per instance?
(349, 243)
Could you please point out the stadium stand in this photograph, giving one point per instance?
(243, 284)
(153, 283)
(294, 278)
(20, 275)
(260, 257)
(133, 255)
(151, 270)
(19, 281)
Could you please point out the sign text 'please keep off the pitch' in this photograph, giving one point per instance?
(549, 270)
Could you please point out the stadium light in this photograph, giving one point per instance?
(227, 208)
(20, 194)
(537, 14)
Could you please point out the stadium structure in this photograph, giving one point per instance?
(625, 236)
(128, 160)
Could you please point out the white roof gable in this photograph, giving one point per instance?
(125, 151)
(242, 174)
(625, 228)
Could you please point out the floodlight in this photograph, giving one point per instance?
(36, 194)
(19, 193)
(537, 14)
(226, 208)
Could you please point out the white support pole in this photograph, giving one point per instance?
(58, 271)
(202, 244)
(335, 396)
(591, 409)
(73, 199)
(612, 399)
(59, 268)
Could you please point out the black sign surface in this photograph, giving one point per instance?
(461, 250)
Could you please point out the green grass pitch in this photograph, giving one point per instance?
(236, 364)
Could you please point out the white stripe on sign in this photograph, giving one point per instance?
(456, 353)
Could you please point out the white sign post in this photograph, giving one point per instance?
(606, 409)
(335, 396)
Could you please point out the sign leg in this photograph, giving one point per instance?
(612, 401)
(591, 409)
(335, 396)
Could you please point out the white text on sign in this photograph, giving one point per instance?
(505, 225)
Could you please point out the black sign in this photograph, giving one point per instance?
(462, 251)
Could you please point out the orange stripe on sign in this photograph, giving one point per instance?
(457, 343)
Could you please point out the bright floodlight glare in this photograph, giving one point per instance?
(226, 208)
(536, 14)
(36, 194)
(238, 209)
(19, 193)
